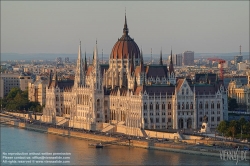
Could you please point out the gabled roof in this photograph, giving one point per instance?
(156, 70)
(179, 84)
(62, 84)
(162, 89)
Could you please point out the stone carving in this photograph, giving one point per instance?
(205, 119)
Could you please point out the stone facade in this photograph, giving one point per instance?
(240, 92)
(126, 92)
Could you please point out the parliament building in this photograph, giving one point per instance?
(127, 92)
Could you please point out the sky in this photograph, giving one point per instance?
(58, 26)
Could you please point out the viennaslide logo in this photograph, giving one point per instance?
(236, 155)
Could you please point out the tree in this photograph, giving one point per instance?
(233, 128)
(13, 92)
(18, 100)
(232, 104)
(222, 127)
(242, 125)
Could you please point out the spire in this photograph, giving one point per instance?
(79, 52)
(142, 65)
(161, 63)
(95, 54)
(102, 56)
(50, 77)
(85, 63)
(171, 66)
(125, 29)
(55, 79)
(171, 58)
(151, 56)
(79, 68)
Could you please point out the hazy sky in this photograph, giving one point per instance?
(57, 27)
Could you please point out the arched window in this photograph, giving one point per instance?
(145, 106)
(191, 105)
(212, 105)
(178, 105)
(98, 102)
(151, 106)
(187, 92)
(157, 106)
(163, 106)
(187, 106)
(200, 105)
(206, 105)
(169, 105)
(182, 106)
(218, 105)
(182, 92)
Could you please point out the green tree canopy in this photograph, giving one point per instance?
(18, 100)
(222, 127)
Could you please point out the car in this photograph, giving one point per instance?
(246, 148)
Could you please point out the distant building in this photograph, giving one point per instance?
(238, 59)
(37, 91)
(188, 58)
(178, 59)
(9, 81)
(240, 92)
(225, 65)
(67, 60)
(59, 60)
(24, 80)
(241, 66)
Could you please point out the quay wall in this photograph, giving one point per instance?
(174, 147)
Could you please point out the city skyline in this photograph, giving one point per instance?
(57, 27)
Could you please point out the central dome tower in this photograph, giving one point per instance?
(125, 47)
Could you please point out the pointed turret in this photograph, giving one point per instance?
(79, 74)
(161, 63)
(55, 79)
(85, 63)
(171, 66)
(50, 78)
(95, 55)
(141, 63)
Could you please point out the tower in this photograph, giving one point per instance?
(172, 79)
(171, 66)
(96, 69)
(79, 74)
(161, 63)
(141, 74)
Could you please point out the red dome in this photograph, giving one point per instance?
(125, 47)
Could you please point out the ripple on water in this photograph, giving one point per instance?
(19, 140)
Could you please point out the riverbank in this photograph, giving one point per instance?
(171, 146)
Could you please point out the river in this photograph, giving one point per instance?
(15, 142)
